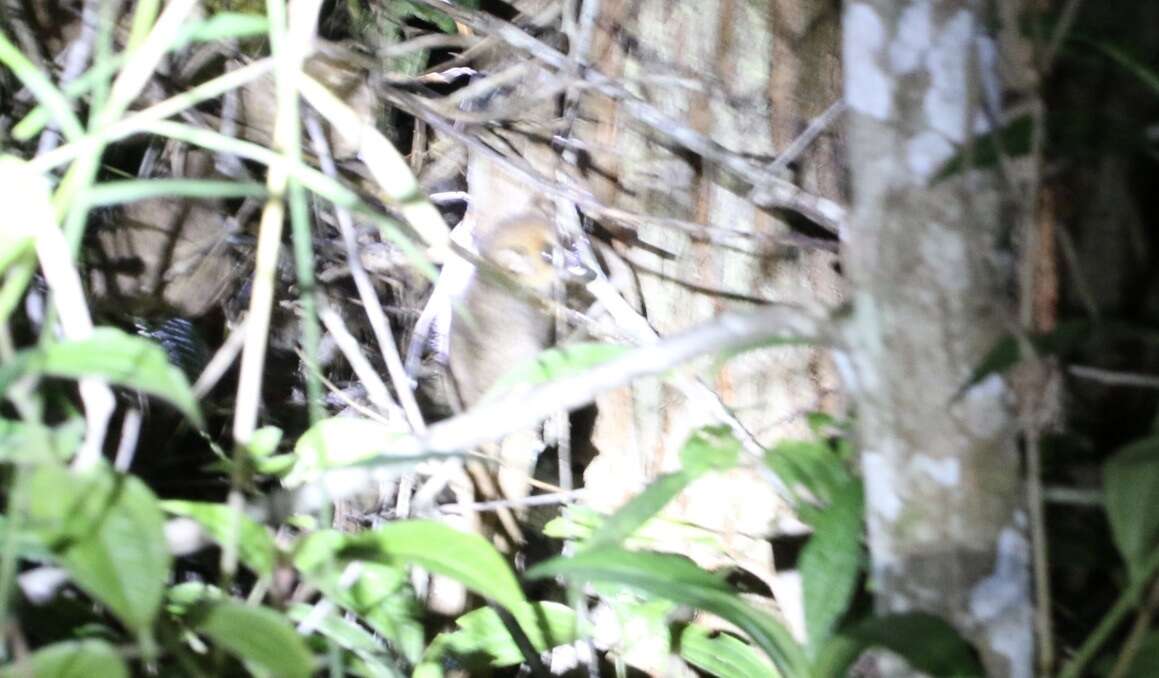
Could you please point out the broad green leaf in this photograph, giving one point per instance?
(441, 549)
(810, 466)
(927, 642)
(677, 579)
(379, 594)
(1130, 485)
(632, 516)
(256, 547)
(24, 443)
(113, 355)
(349, 635)
(182, 598)
(831, 562)
(711, 448)
(577, 523)
(481, 632)
(1145, 663)
(372, 659)
(722, 655)
(108, 532)
(339, 442)
(257, 635)
(71, 659)
(264, 442)
(556, 363)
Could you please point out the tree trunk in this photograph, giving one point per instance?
(749, 75)
(926, 260)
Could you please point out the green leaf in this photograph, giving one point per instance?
(188, 596)
(831, 563)
(264, 442)
(711, 448)
(25, 443)
(113, 355)
(556, 363)
(257, 635)
(441, 549)
(339, 442)
(71, 659)
(481, 632)
(1129, 63)
(226, 26)
(108, 532)
(927, 642)
(1145, 663)
(721, 654)
(1130, 485)
(1007, 351)
(349, 635)
(373, 658)
(404, 9)
(810, 466)
(1012, 140)
(132, 190)
(677, 579)
(378, 594)
(632, 516)
(256, 547)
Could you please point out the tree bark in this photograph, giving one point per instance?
(927, 261)
(750, 76)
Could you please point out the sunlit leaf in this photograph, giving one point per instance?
(22, 442)
(441, 549)
(256, 548)
(831, 562)
(812, 471)
(556, 363)
(257, 635)
(108, 532)
(340, 442)
(711, 448)
(722, 655)
(71, 659)
(624, 522)
(481, 632)
(113, 355)
(378, 593)
(677, 579)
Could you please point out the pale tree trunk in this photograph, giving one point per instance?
(931, 284)
(750, 75)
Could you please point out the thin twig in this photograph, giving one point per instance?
(550, 499)
(1114, 377)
